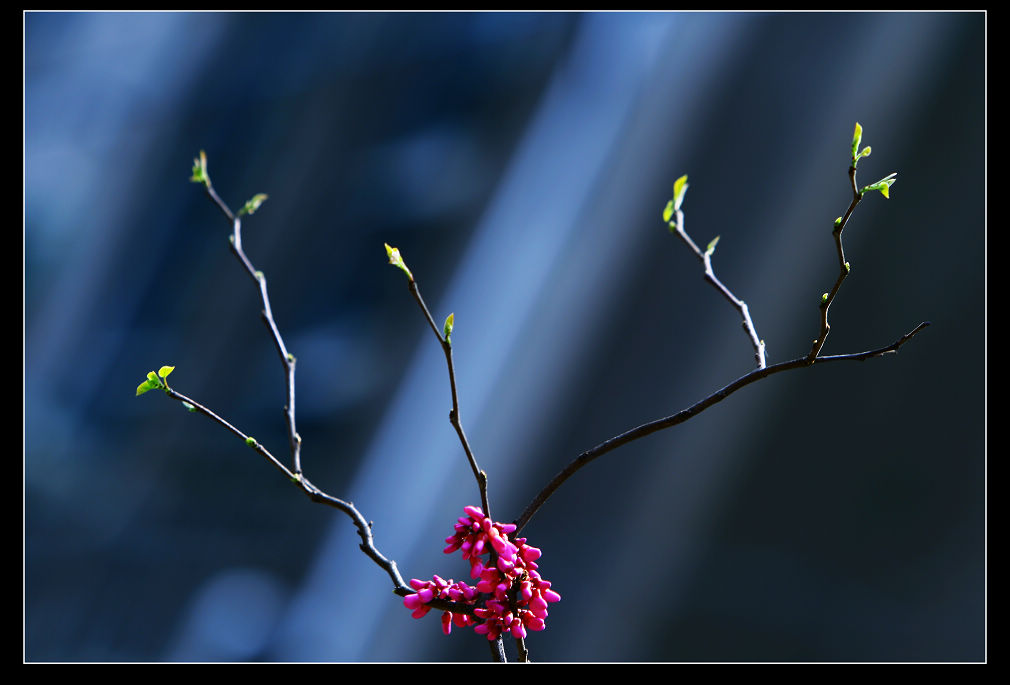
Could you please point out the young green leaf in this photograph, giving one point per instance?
(679, 188)
(164, 371)
(145, 386)
(396, 260)
(857, 138)
(447, 328)
(253, 204)
(668, 211)
(200, 170)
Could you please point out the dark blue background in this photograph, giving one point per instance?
(520, 162)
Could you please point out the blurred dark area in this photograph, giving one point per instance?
(521, 163)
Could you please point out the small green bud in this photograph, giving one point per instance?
(396, 260)
(291, 358)
(857, 138)
(711, 246)
(668, 211)
(865, 152)
(847, 267)
(251, 441)
(253, 204)
(259, 275)
(200, 170)
(189, 407)
(824, 298)
(679, 189)
(447, 328)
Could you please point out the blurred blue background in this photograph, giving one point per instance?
(520, 162)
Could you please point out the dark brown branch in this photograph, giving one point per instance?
(454, 419)
(741, 306)
(843, 267)
(524, 654)
(315, 494)
(680, 417)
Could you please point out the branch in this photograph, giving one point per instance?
(680, 417)
(315, 494)
(843, 268)
(287, 359)
(679, 188)
(445, 340)
(294, 474)
(884, 186)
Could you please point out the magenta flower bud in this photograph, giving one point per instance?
(529, 553)
(421, 611)
(550, 595)
(426, 595)
(446, 622)
(538, 606)
(475, 513)
(507, 527)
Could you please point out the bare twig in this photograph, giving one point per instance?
(695, 409)
(741, 306)
(315, 494)
(287, 359)
(478, 474)
(843, 268)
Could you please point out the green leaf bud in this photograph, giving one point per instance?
(668, 211)
(447, 328)
(200, 170)
(396, 260)
(824, 298)
(711, 246)
(251, 441)
(679, 189)
(253, 204)
(857, 138)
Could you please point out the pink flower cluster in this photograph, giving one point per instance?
(514, 595)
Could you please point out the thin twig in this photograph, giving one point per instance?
(695, 409)
(478, 474)
(287, 359)
(741, 306)
(843, 268)
(315, 494)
